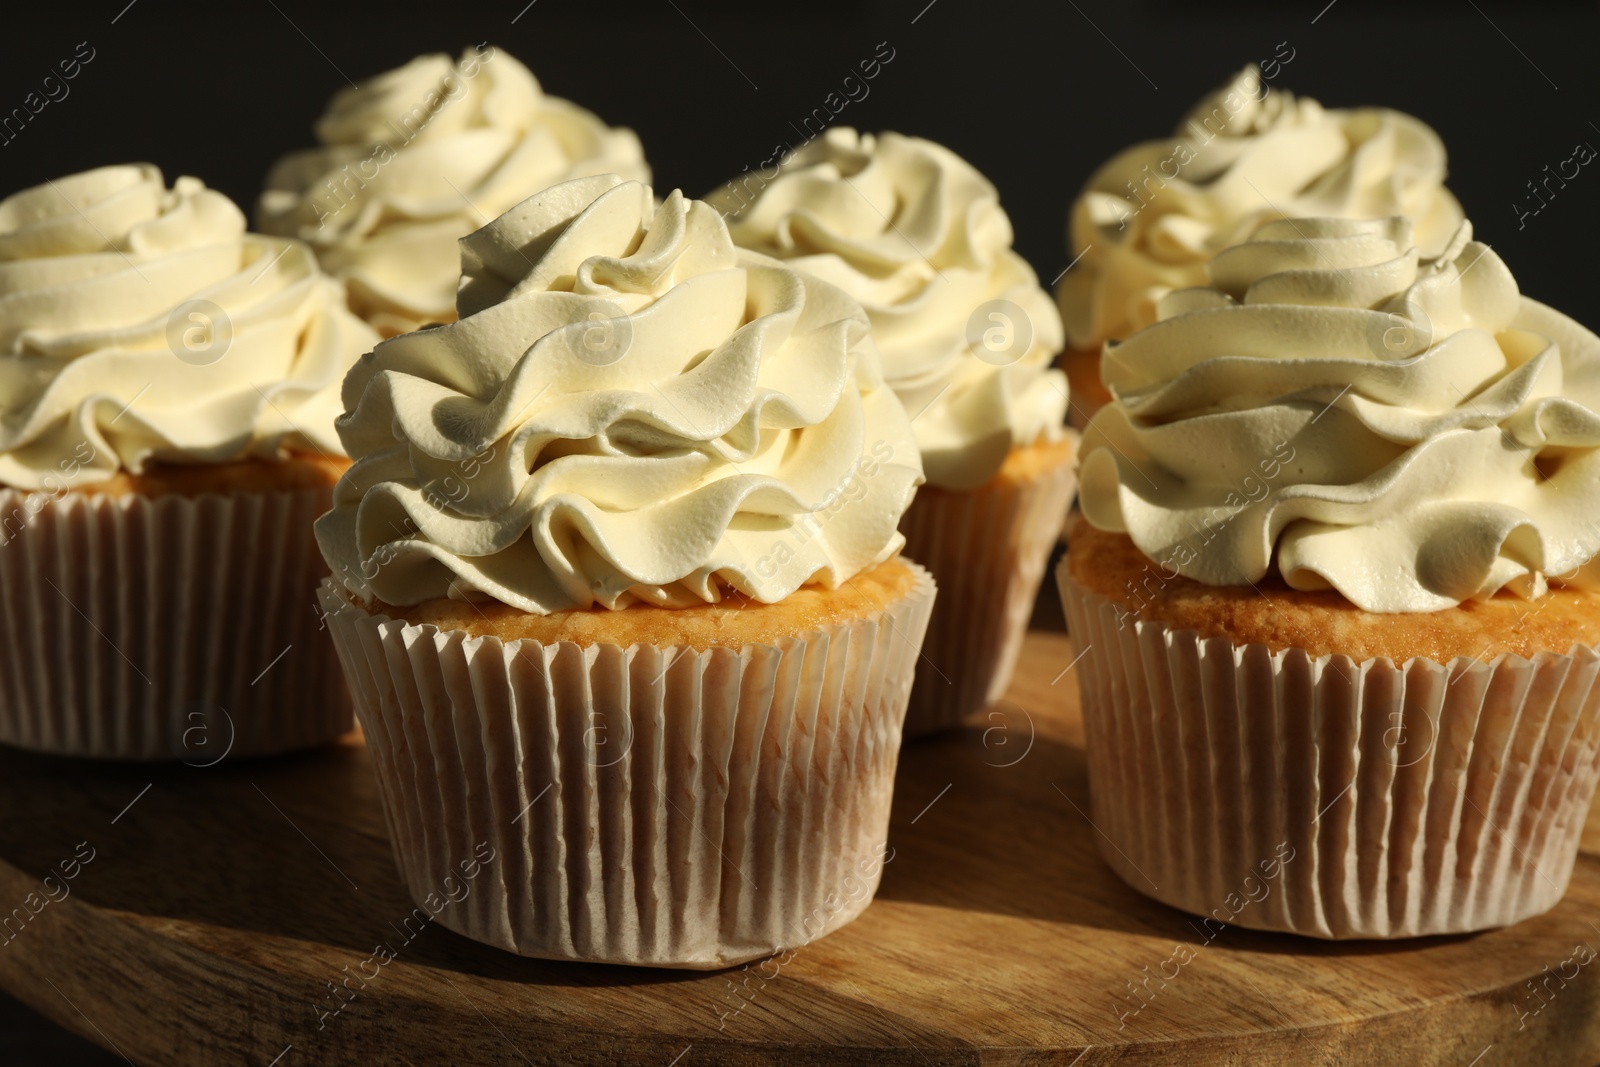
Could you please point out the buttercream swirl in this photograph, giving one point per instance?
(630, 409)
(1408, 431)
(107, 363)
(418, 157)
(1148, 221)
(917, 235)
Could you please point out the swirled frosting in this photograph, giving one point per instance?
(417, 158)
(1408, 431)
(139, 323)
(917, 235)
(630, 409)
(1149, 220)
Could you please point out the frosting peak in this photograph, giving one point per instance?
(139, 322)
(415, 159)
(1147, 221)
(1408, 430)
(630, 408)
(917, 235)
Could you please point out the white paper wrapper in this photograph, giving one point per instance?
(151, 627)
(1413, 799)
(987, 549)
(651, 806)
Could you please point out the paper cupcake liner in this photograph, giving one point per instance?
(1326, 797)
(644, 805)
(987, 549)
(169, 627)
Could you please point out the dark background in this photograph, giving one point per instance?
(1034, 94)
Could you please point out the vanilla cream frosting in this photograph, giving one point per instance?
(630, 409)
(1408, 431)
(143, 323)
(1148, 221)
(917, 235)
(417, 158)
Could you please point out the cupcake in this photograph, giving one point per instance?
(168, 387)
(617, 588)
(1334, 592)
(417, 158)
(1149, 220)
(918, 236)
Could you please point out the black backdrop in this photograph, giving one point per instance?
(1035, 94)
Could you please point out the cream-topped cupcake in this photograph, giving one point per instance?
(917, 235)
(1149, 220)
(1335, 593)
(168, 385)
(418, 157)
(630, 526)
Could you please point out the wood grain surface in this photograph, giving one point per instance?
(220, 906)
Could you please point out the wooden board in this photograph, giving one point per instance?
(220, 901)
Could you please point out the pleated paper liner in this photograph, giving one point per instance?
(987, 548)
(1326, 797)
(165, 628)
(643, 805)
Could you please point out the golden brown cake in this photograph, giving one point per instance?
(1322, 622)
(1089, 393)
(733, 622)
(296, 471)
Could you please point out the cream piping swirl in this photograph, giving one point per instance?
(630, 409)
(1408, 431)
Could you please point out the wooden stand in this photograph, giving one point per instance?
(221, 905)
